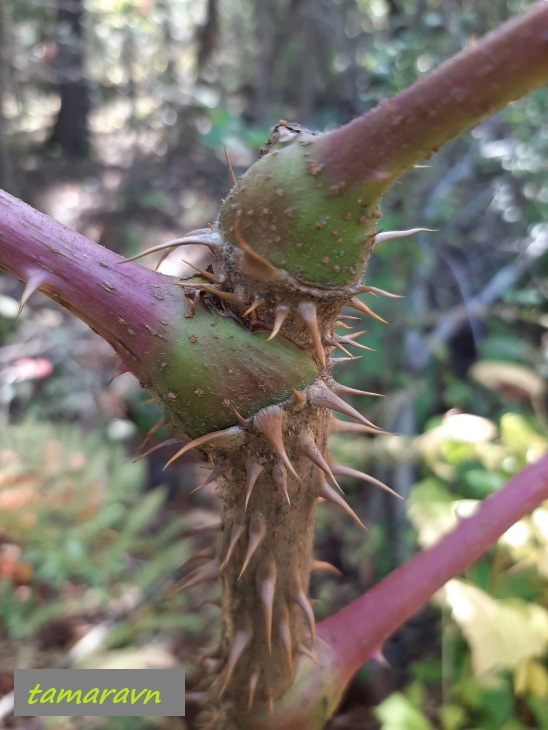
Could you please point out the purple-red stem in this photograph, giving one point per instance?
(357, 631)
(116, 301)
(378, 147)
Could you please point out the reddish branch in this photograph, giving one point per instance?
(380, 146)
(356, 634)
(84, 277)
(359, 629)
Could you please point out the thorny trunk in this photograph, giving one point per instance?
(272, 471)
(241, 356)
(265, 584)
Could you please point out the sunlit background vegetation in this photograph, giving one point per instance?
(113, 119)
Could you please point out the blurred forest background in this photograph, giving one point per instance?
(113, 119)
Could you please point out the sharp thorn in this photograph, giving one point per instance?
(339, 360)
(299, 596)
(279, 474)
(299, 400)
(230, 168)
(266, 585)
(349, 318)
(215, 472)
(303, 650)
(204, 440)
(208, 571)
(337, 344)
(256, 534)
(350, 342)
(390, 235)
(33, 283)
(361, 307)
(320, 395)
(202, 485)
(214, 724)
(255, 258)
(206, 602)
(345, 326)
(337, 426)
(347, 471)
(258, 302)
(156, 447)
(241, 640)
(226, 295)
(241, 420)
(330, 495)
(206, 554)
(162, 258)
(198, 698)
(120, 371)
(379, 657)
(253, 470)
(237, 531)
(151, 431)
(311, 451)
(280, 316)
(285, 634)
(350, 338)
(269, 421)
(212, 526)
(307, 312)
(324, 567)
(203, 237)
(381, 292)
(270, 701)
(206, 274)
(252, 686)
(345, 390)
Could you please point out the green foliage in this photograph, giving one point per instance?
(225, 129)
(504, 662)
(74, 513)
(400, 711)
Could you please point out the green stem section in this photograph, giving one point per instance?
(198, 363)
(373, 151)
(310, 206)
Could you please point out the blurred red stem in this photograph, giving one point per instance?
(357, 631)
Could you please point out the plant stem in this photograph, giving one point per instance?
(355, 634)
(189, 357)
(115, 301)
(359, 630)
(376, 149)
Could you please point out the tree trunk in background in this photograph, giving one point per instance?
(207, 36)
(264, 69)
(6, 169)
(71, 131)
(308, 61)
